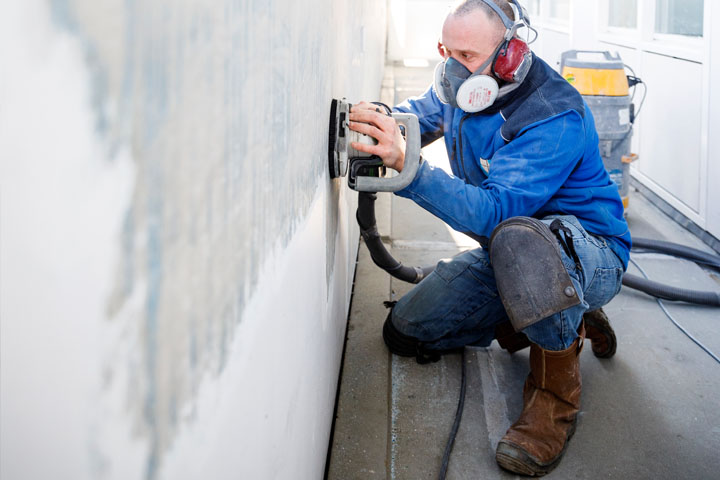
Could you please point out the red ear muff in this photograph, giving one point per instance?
(512, 61)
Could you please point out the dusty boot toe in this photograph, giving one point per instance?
(516, 459)
(513, 454)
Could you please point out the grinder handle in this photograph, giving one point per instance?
(412, 160)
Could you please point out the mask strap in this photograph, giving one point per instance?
(487, 62)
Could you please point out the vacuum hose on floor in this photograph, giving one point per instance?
(667, 292)
(383, 259)
(676, 250)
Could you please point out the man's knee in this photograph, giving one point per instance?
(406, 345)
(396, 341)
(531, 277)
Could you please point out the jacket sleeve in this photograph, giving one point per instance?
(524, 174)
(429, 110)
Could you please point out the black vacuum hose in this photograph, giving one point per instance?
(677, 250)
(667, 292)
(368, 229)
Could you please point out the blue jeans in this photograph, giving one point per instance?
(458, 304)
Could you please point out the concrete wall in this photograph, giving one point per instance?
(176, 264)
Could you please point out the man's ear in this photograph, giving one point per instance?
(441, 49)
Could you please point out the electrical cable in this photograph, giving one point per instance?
(632, 78)
(642, 100)
(680, 327)
(458, 417)
(633, 81)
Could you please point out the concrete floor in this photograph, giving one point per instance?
(650, 412)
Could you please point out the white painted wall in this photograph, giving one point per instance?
(673, 164)
(175, 263)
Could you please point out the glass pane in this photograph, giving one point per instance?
(622, 13)
(679, 17)
(559, 9)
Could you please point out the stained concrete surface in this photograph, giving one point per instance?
(649, 412)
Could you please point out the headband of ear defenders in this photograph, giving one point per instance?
(510, 26)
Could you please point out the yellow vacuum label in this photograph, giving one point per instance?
(588, 81)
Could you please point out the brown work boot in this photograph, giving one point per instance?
(600, 333)
(536, 442)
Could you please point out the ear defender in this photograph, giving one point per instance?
(511, 64)
(513, 60)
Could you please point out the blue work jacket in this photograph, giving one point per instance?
(533, 153)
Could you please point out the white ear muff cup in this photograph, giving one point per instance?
(437, 82)
(477, 93)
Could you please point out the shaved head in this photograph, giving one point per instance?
(472, 32)
(465, 7)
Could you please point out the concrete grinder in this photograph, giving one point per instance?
(366, 172)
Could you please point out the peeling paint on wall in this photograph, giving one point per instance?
(221, 109)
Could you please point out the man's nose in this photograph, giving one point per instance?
(462, 61)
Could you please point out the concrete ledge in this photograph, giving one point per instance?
(361, 428)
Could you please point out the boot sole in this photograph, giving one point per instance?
(517, 460)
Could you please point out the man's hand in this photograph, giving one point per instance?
(371, 120)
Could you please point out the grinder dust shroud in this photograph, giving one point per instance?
(365, 170)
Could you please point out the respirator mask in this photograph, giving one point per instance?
(473, 92)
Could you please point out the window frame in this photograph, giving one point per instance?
(644, 37)
(559, 24)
